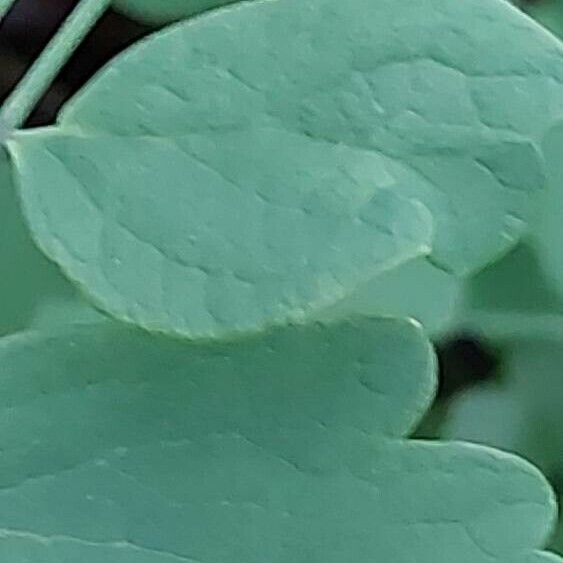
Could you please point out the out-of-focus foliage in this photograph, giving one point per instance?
(313, 145)
(416, 289)
(513, 307)
(547, 12)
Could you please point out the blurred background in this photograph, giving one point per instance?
(483, 393)
(29, 26)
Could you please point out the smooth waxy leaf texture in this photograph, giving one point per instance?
(416, 289)
(159, 12)
(549, 230)
(213, 257)
(281, 447)
(28, 280)
(229, 172)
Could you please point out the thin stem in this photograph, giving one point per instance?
(39, 77)
(5, 6)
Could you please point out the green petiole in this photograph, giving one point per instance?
(34, 84)
(5, 6)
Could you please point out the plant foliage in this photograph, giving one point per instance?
(250, 199)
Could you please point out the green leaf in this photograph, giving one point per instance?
(28, 281)
(416, 289)
(518, 282)
(548, 230)
(513, 297)
(63, 311)
(227, 173)
(549, 13)
(236, 248)
(159, 12)
(281, 447)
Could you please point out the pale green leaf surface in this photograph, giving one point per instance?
(50, 313)
(281, 447)
(416, 289)
(548, 231)
(28, 281)
(280, 116)
(234, 248)
(159, 12)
